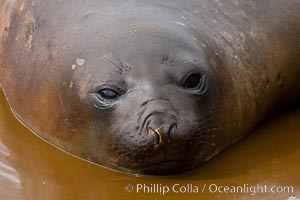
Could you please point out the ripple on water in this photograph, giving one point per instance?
(9, 180)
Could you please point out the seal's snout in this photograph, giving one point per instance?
(160, 139)
(161, 128)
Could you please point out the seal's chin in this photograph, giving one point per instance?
(163, 168)
(168, 167)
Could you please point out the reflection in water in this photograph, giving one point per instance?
(9, 180)
(32, 169)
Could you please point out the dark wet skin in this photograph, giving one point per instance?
(149, 90)
(148, 87)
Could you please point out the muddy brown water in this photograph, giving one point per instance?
(32, 169)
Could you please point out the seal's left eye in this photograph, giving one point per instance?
(195, 83)
(109, 94)
(192, 81)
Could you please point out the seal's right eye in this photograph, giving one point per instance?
(109, 94)
(104, 97)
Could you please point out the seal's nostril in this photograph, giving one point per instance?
(157, 134)
(172, 127)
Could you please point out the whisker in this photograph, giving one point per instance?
(116, 65)
(206, 136)
(209, 130)
(129, 91)
(123, 66)
(206, 125)
(206, 116)
(203, 123)
(110, 74)
(209, 143)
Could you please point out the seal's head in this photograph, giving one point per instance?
(118, 86)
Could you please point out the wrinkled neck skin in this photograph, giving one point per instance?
(228, 42)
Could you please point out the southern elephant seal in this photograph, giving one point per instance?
(150, 87)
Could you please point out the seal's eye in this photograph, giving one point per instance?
(105, 97)
(108, 94)
(192, 81)
(195, 82)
